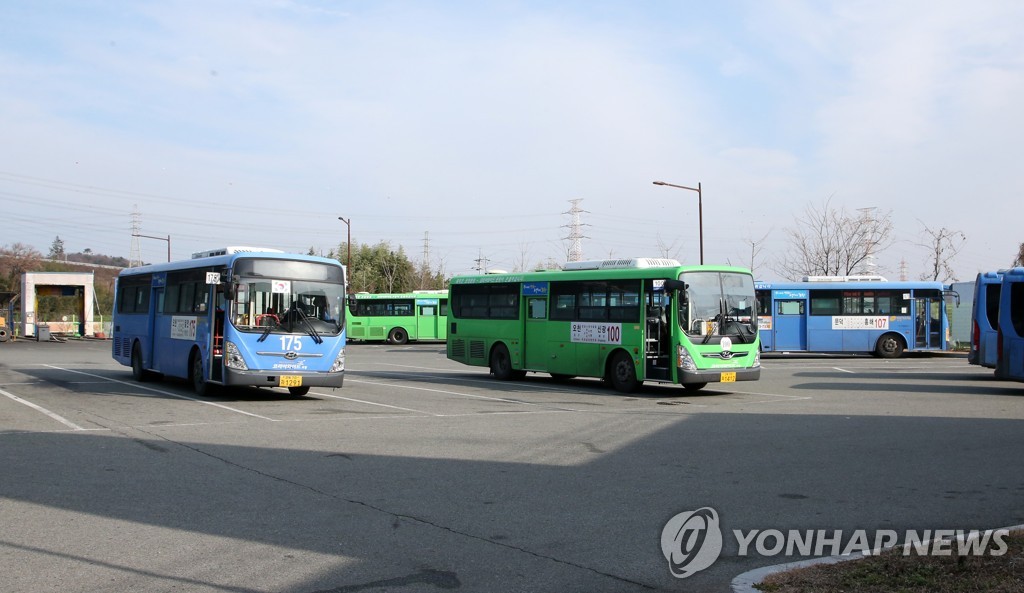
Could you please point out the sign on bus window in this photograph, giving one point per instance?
(538, 308)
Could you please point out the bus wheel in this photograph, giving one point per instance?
(299, 391)
(398, 336)
(694, 386)
(501, 364)
(622, 373)
(138, 372)
(889, 346)
(199, 385)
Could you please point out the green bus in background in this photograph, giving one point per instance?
(398, 318)
(624, 320)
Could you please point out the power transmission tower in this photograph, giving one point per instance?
(575, 226)
(868, 216)
(481, 263)
(135, 253)
(425, 266)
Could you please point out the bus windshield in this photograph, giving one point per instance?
(287, 306)
(718, 304)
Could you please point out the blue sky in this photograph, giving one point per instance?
(261, 121)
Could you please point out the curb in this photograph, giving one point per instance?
(744, 583)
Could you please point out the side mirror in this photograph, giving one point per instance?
(677, 286)
(352, 302)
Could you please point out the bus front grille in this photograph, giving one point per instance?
(458, 349)
(476, 349)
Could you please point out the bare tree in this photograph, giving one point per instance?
(942, 245)
(667, 251)
(522, 262)
(829, 241)
(1020, 257)
(756, 249)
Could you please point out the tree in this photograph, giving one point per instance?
(1020, 257)
(756, 249)
(56, 249)
(15, 261)
(378, 268)
(827, 241)
(942, 245)
(667, 251)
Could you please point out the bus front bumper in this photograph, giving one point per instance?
(716, 375)
(273, 379)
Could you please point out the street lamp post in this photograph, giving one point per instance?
(348, 242)
(700, 212)
(168, 239)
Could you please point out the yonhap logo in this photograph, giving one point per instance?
(691, 541)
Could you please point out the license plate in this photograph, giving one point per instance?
(729, 377)
(292, 381)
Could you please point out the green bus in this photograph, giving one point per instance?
(399, 317)
(624, 320)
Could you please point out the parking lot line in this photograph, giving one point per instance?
(362, 401)
(39, 408)
(465, 395)
(162, 392)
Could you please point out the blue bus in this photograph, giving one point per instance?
(985, 319)
(840, 315)
(234, 316)
(1010, 363)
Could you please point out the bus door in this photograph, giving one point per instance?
(535, 336)
(928, 320)
(790, 331)
(427, 324)
(156, 307)
(442, 319)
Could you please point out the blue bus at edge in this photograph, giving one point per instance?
(985, 319)
(1010, 363)
(846, 314)
(234, 316)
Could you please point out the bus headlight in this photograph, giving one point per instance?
(757, 359)
(339, 363)
(684, 360)
(233, 358)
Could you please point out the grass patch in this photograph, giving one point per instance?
(893, 572)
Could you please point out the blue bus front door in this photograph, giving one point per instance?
(790, 325)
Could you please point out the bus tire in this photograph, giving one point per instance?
(622, 373)
(694, 386)
(501, 364)
(299, 391)
(195, 374)
(398, 336)
(139, 372)
(3, 334)
(889, 346)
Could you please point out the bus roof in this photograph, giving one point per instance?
(991, 277)
(224, 260)
(869, 285)
(600, 273)
(416, 294)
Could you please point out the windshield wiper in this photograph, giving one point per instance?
(309, 326)
(721, 321)
(273, 323)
